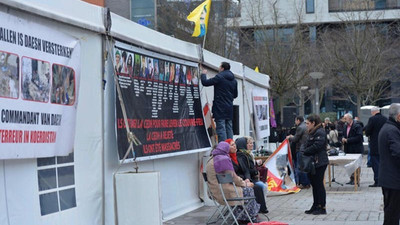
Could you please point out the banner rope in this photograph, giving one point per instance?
(132, 139)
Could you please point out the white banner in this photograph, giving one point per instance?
(39, 83)
(261, 112)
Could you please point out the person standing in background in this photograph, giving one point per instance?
(389, 165)
(352, 140)
(299, 139)
(374, 125)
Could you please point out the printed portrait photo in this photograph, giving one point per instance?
(9, 75)
(63, 85)
(35, 80)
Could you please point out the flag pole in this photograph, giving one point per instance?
(204, 39)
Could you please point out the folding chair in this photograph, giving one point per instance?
(228, 179)
(221, 209)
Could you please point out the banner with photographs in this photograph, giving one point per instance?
(39, 79)
(261, 112)
(162, 99)
(281, 177)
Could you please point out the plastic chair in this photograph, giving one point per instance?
(220, 209)
(228, 179)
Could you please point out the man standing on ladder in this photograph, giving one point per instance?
(225, 90)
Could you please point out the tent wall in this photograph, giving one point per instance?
(19, 194)
(95, 151)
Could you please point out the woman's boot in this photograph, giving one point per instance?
(320, 210)
(311, 210)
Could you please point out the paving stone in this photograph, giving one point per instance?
(344, 206)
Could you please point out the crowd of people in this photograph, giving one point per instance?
(311, 137)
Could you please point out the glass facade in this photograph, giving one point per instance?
(143, 12)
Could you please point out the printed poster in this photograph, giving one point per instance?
(162, 99)
(39, 83)
(261, 112)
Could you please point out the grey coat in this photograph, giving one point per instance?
(300, 137)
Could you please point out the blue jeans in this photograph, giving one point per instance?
(224, 129)
(261, 184)
(301, 177)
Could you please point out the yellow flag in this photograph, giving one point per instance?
(256, 69)
(200, 17)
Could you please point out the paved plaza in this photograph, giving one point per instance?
(344, 206)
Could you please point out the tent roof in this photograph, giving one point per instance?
(88, 16)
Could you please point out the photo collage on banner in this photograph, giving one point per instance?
(261, 113)
(162, 101)
(39, 73)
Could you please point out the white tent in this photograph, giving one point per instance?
(83, 189)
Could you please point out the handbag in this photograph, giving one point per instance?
(306, 163)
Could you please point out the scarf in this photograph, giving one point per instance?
(222, 162)
(232, 155)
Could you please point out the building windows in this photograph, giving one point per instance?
(310, 6)
(56, 184)
(143, 12)
(270, 35)
(362, 5)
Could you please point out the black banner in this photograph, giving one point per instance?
(162, 101)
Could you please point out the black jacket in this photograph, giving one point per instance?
(316, 146)
(246, 168)
(389, 155)
(354, 142)
(372, 129)
(225, 90)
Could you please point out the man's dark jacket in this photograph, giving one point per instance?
(225, 90)
(316, 146)
(354, 142)
(389, 155)
(300, 137)
(372, 129)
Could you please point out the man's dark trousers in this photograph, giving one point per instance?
(375, 167)
(391, 201)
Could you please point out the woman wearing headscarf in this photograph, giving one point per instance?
(247, 170)
(220, 162)
(316, 146)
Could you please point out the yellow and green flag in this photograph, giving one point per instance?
(200, 17)
(256, 69)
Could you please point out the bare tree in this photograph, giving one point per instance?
(172, 21)
(279, 50)
(362, 55)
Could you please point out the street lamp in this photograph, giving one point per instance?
(316, 76)
(302, 88)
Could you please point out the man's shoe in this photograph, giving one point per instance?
(319, 211)
(373, 185)
(311, 210)
(350, 182)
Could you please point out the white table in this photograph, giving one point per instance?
(351, 163)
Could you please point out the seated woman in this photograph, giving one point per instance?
(221, 163)
(245, 168)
